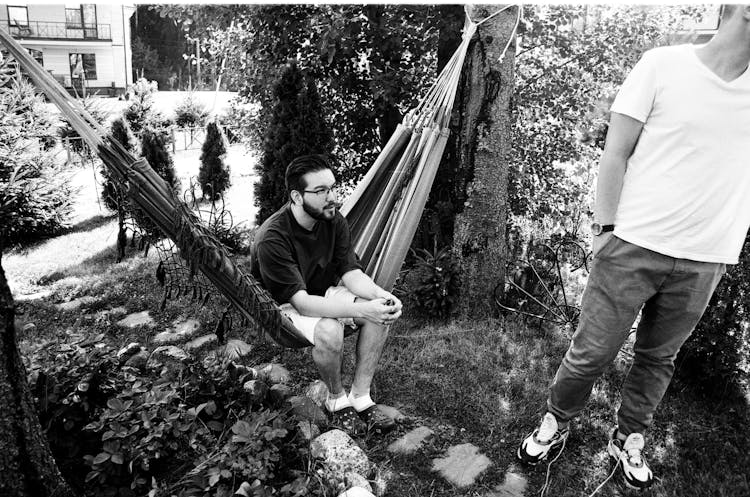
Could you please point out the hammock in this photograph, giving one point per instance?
(383, 211)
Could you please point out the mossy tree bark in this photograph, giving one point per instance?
(482, 149)
(27, 467)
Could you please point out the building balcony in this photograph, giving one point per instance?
(59, 31)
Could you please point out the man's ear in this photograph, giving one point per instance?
(296, 197)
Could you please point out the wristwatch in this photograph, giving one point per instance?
(597, 229)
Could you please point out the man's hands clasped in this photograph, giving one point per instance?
(383, 310)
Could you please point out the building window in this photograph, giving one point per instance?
(82, 62)
(18, 16)
(37, 55)
(73, 18)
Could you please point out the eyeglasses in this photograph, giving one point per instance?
(324, 191)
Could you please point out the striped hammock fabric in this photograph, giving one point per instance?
(383, 211)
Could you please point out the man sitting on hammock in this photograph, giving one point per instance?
(300, 253)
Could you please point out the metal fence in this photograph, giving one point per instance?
(59, 31)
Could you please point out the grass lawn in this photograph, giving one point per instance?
(482, 381)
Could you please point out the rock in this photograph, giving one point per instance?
(187, 328)
(317, 391)
(136, 319)
(392, 412)
(514, 485)
(279, 393)
(28, 327)
(353, 480)
(128, 351)
(307, 410)
(166, 338)
(357, 492)
(256, 389)
(275, 373)
(201, 342)
(340, 454)
(308, 429)
(462, 464)
(76, 304)
(236, 349)
(167, 355)
(139, 360)
(410, 442)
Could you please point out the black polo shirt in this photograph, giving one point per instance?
(287, 258)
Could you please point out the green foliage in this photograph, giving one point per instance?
(35, 193)
(571, 61)
(140, 112)
(298, 127)
(437, 282)
(112, 193)
(71, 138)
(717, 355)
(213, 174)
(154, 150)
(370, 62)
(190, 112)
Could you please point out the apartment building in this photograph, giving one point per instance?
(86, 47)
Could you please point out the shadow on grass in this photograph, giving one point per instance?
(88, 224)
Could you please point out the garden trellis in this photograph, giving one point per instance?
(383, 211)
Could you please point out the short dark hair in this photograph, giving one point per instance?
(301, 166)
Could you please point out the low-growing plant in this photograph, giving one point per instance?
(437, 282)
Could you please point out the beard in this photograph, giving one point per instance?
(325, 213)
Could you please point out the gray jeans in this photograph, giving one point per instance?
(625, 277)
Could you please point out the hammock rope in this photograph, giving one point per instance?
(383, 211)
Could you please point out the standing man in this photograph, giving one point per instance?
(300, 254)
(672, 209)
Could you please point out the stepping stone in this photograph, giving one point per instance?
(201, 342)
(317, 391)
(76, 304)
(186, 328)
(462, 464)
(391, 412)
(166, 338)
(236, 349)
(275, 373)
(340, 454)
(514, 485)
(357, 492)
(411, 442)
(354, 480)
(136, 319)
(33, 296)
(167, 355)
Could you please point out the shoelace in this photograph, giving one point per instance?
(633, 447)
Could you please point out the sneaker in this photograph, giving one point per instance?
(537, 446)
(628, 455)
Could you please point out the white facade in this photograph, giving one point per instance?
(100, 32)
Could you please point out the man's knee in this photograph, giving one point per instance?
(329, 334)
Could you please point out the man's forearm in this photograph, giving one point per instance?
(361, 285)
(609, 187)
(317, 306)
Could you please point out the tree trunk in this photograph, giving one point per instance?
(482, 150)
(27, 468)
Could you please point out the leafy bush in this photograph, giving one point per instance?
(35, 192)
(297, 127)
(213, 175)
(717, 355)
(190, 112)
(437, 282)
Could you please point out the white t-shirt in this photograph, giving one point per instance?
(686, 190)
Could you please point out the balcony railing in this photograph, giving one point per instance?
(60, 31)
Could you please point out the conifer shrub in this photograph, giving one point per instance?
(111, 191)
(190, 112)
(213, 175)
(35, 191)
(154, 150)
(140, 112)
(297, 127)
